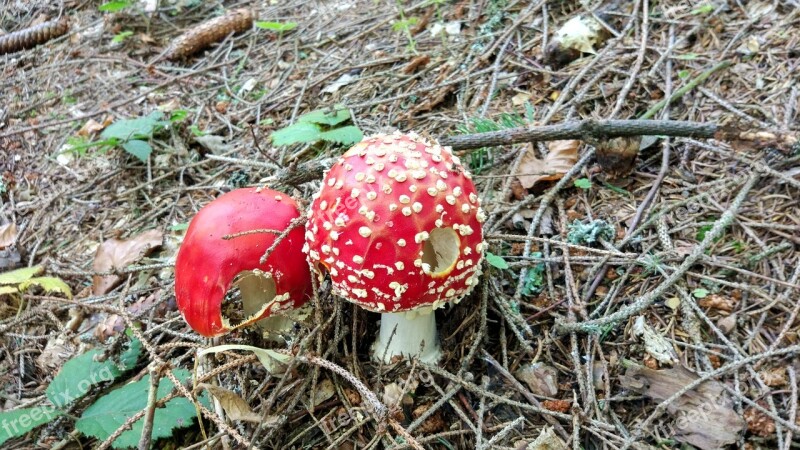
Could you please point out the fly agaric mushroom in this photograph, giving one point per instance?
(397, 224)
(208, 265)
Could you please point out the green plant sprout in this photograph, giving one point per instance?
(319, 125)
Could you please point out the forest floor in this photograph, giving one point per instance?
(645, 304)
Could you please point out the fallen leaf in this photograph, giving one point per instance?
(55, 353)
(235, 407)
(540, 378)
(8, 235)
(213, 143)
(547, 440)
(416, 63)
(728, 323)
(273, 362)
(340, 82)
(703, 417)
(655, 344)
(325, 390)
(109, 326)
(775, 377)
(116, 254)
(561, 157)
(91, 128)
(520, 98)
(393, 393)
(9, 259)
(719, 302)
(561, 406)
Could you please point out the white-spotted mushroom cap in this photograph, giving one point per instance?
(397, 223)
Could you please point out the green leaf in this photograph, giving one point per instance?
(114, 6)
(684, 74)
(616, 189)
(324, 117)
(179, 227)
(20, 421)
(583, 183)
(402, 25)
(110, 411)
(296, 133)
(49, 284)
(704, 9)
(139, 149)
(20, 275)
(138, 128)
(277, 26)
(80, 374)
(701, 232)
(534, 279)
(496, 261)
(700, 293)
(178, 115)
(347, 135)
(121, 36)
(273, 361)
(687, 57)
(8, 290)
(128, 358)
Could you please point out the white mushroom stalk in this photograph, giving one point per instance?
(408, 334)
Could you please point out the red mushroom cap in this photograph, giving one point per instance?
(207, 264)
(397, 223)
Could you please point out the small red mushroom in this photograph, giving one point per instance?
(208, 265)
(397, 224)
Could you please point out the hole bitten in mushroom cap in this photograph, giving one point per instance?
(440, 251)
(250, 295)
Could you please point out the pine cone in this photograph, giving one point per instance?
(33, 36)
(209, 32)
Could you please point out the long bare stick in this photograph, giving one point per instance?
(583, 129)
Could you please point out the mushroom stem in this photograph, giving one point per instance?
(416, 337)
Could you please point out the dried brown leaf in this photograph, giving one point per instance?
(235, 407)
(547, 440)
(561, 406)
(703, 417)
(719, 302)
(561, 157)
(115, 254)
(109, 326)
(325, 390)
(91, 127)
(8, 235)
(775, 377)
(540, 378)
(416, 63)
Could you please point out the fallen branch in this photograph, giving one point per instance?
(584, 130)
(587, 130)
